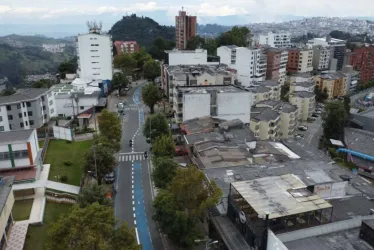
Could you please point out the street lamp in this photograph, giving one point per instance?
(209, 242)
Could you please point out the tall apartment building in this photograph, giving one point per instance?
(337, 46)
(362, 59)
(275, 40)
(185, 28)
(300, 60)
(276, 64)
(336, 83)
(127, 47)
(250, 63)
(95, 56)
(321, 57)
(353, 78)
(225, 102)
(26, 109)
(305, 102)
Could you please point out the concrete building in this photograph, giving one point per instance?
(272, 120)
(362, 59)
(321, 57)
(275, 40)
(174, 76)
(185, 29)
(225, 102)
(307, 86)
(266, 90)
(95, 56)
(250, 63)
(6, 205)
(353, 78)
(276, 64)
(189, 57)
(19, 149)
(300, 60)
(337, 47)
(336, 83)
(26, 109)
(305, 101)
(127, 47)
(299, 77)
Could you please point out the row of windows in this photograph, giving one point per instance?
(11, 126)
(94, 62)
(93, 38)
(16, 154)
(94, 50)
(28, 104)
(95, 56)
(94, 45)
(10, 117)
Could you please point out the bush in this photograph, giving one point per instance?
(68, 163)
(68, 142)
(64, 178)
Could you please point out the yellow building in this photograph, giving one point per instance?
(265, 90)
(335, 83)
(6, 204)
(305, 101)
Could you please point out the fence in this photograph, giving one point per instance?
(45, 148)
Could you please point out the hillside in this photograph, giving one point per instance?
(37, 40)
(143, 30)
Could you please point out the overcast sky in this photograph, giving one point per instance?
(59, 11)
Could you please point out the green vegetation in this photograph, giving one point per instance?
(156, 125)
(60, 151)
(21, 209)
(152, 69)
(334, 119)
(37, 235)
(93, 193)
(151, 95)
(143, 30)
(41, 144)
(163, 146)
(164, 170)
(321, 96)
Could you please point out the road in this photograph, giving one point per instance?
(133, 201)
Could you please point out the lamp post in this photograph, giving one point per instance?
(208, 243)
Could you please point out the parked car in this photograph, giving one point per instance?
(299, 136)
(303, 128)
(109, 178)
(314, 115)
(312, 119)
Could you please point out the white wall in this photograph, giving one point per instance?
(52, 107)
(188, 57)
(274, 243)
(234, 106)
(4, 123)
(64, 104)
(224, 53)
(196, 105)
(95, 62)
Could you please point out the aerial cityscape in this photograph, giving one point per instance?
(139, 135)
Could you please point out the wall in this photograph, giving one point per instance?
(234, 106)
(4, 124)
(64, 104)
(274, 243)
(225, 54)
(6, 212)
(188, 58)
(196, 105)
(95, 62)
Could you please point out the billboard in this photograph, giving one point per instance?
(63, 133)
(323, 190)
(331, 190)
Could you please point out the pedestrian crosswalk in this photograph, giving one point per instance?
(132, 157)
(126, 117)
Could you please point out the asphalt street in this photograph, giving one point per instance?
(133, 202)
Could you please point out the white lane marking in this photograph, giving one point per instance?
(130, 153)
(134, 214)
(133, 208)
(137, 235)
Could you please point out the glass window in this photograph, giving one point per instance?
(18, 106)
(1, 128)
(21, 124)
(31, 122)
(10, 117)
(29, 113)
(8, 107)
(20, 115)
(28, 104)
(1, 118)
(23, 104)
(27, 124)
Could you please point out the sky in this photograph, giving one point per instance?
(77, 12)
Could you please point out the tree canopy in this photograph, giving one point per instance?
(120, 81)
(163, 146)
(151, 95)
(125, 62)
(141, 57)
(159, 45)
(334, 119)
(321, 96)
(92, 227)
(68, 67)
(155, 126)
(152, 69)
(239, 36)
(91, 194)
(110, 125)
(42, 83)
(100, 139)
(164, 169)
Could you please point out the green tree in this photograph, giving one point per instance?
(125, 62)
(159, 45)
(284, 92)
(347, 104)
(321, 96)
(141, 57)
(195, 43)
(120, 81)
(110, 125)
(163, 146)
(151, 95)
(99, 139)
(99, 157)
(92, 227)
(155, 126)
(164, 169)
(151, 69)
(68, 67)
(42, 83)
(239, 36)
(7, 92)
(91, 194)
(334, 119)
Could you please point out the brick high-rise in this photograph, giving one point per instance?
(362, 59)
(185, 28)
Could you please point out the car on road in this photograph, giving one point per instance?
(312, 119)
(109, 178)
(302, 128)
(315, 115)
(299, 136)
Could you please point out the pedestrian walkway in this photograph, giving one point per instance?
(17, 236)
(126, 117)
(131, 157)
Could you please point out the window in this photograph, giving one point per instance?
(11, 126)
(31, 122)
(24, 114)
(20, 115)
(45, 116)
(43, 107)
(43, 98)
(29, 113)
(28, 104)
(27, 124)
(18, 105)
(51, 111)
(21, 124)
(23, 104)
(8, 107)
(1, 118)
(1, 128)
(82, 107)
(10, 117)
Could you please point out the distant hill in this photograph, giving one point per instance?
(143, 30)
(36, 40)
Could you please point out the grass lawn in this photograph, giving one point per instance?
(37, 235)
(60, 151)
(22, 209)
(41, 144)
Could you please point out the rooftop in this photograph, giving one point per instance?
(305, 84)
(279, 196)
(277, 105)
(361, 141)
(15, 136)
(181, 71)
(203, 89)
(199, 125)
(365, 118)
(23, 95)
(267, 83)
(266, 115)
(332, 75)
(303, 94)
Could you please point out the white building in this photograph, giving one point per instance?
(224, 102)
(283, 67)
(275, 40)
(250, 63)
(95, 56)
(189, 57)
(321, 57)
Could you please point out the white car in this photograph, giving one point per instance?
(303, 128)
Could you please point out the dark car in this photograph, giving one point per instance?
(109, 178)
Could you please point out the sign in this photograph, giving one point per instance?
(242, 217)
(323, 190)
(63, 133)
(339, 189)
